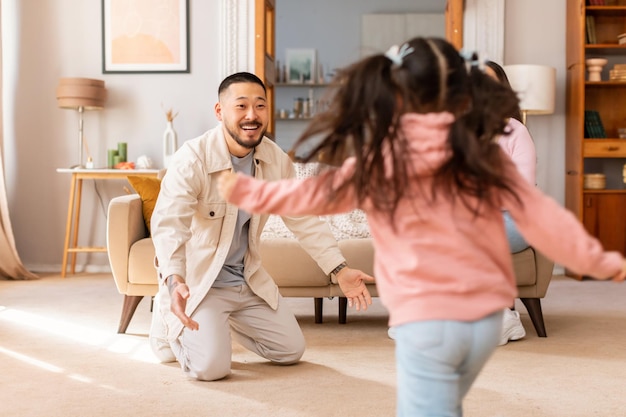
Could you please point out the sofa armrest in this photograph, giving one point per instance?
(125, 226)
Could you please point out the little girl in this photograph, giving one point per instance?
(410, 137)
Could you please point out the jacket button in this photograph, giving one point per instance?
(211, 213)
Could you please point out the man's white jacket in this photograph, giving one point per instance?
(192, 225)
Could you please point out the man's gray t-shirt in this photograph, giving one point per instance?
(232, 272)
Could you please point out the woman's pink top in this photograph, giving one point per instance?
(441, 262)
(519, 146)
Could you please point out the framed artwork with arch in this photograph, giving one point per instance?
(140, 38)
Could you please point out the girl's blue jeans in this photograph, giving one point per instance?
(437, 362)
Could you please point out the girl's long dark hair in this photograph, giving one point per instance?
(363, 119)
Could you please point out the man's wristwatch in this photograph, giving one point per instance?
(339, 267)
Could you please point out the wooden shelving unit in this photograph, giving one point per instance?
(603, 212)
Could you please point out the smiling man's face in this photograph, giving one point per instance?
(243, 111)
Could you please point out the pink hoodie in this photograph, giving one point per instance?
(441, 262)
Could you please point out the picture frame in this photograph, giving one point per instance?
(301, 65)
(140, 38)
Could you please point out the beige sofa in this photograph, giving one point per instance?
(131, 255)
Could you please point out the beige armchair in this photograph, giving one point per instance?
(533, 273)
(131, 254)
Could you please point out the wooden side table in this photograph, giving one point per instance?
(73, 210)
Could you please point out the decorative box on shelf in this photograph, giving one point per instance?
(594, 181)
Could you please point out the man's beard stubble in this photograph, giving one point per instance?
(243, 143)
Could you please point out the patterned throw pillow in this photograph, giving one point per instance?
(351, 225)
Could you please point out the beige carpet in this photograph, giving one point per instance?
(60, 356)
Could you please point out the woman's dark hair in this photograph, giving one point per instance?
(364, 116)
(501, 75)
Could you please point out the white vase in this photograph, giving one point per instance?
(170, 143)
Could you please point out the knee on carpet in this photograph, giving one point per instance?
(208, 370)
(287, 357)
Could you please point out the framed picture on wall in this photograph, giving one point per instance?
(301, 64)
(140, 37)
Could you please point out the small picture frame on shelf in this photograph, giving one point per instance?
(301, 65)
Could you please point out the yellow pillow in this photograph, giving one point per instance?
(148, 189)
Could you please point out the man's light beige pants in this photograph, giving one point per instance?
(205, 354)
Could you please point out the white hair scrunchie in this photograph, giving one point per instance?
(476, 59)
(396, 54)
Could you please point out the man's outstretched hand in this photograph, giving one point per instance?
(179, 295)
(352, 283)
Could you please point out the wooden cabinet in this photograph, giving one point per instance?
(604, 217)
(592, 32)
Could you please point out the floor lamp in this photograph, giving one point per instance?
(81, 94)
(535, 86)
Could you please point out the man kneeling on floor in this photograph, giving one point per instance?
(211, 282)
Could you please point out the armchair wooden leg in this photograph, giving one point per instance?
(130, 305)
(343, 308)
(533, 305)
(319, 309)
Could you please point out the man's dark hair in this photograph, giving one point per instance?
(239, 77)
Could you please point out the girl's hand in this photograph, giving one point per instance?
(622, 274)
(226, 183)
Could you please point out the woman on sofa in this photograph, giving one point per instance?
(412, 136)
(519, 146)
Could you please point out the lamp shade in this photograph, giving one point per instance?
(535, 86)
(73, 93)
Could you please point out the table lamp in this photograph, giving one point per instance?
(535, 87)
(81, 94)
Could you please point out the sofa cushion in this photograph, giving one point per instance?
(148, 189)
(290, 265)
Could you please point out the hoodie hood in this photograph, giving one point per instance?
(427, 139)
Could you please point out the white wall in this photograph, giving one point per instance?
(51, 39)
(542, 44)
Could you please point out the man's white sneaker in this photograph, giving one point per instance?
(162, 350)
(158, 336)
(391, 333)
(512, 328)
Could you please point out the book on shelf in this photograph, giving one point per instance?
(591, 29)
(593, 125)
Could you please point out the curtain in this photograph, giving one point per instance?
(10, 263)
